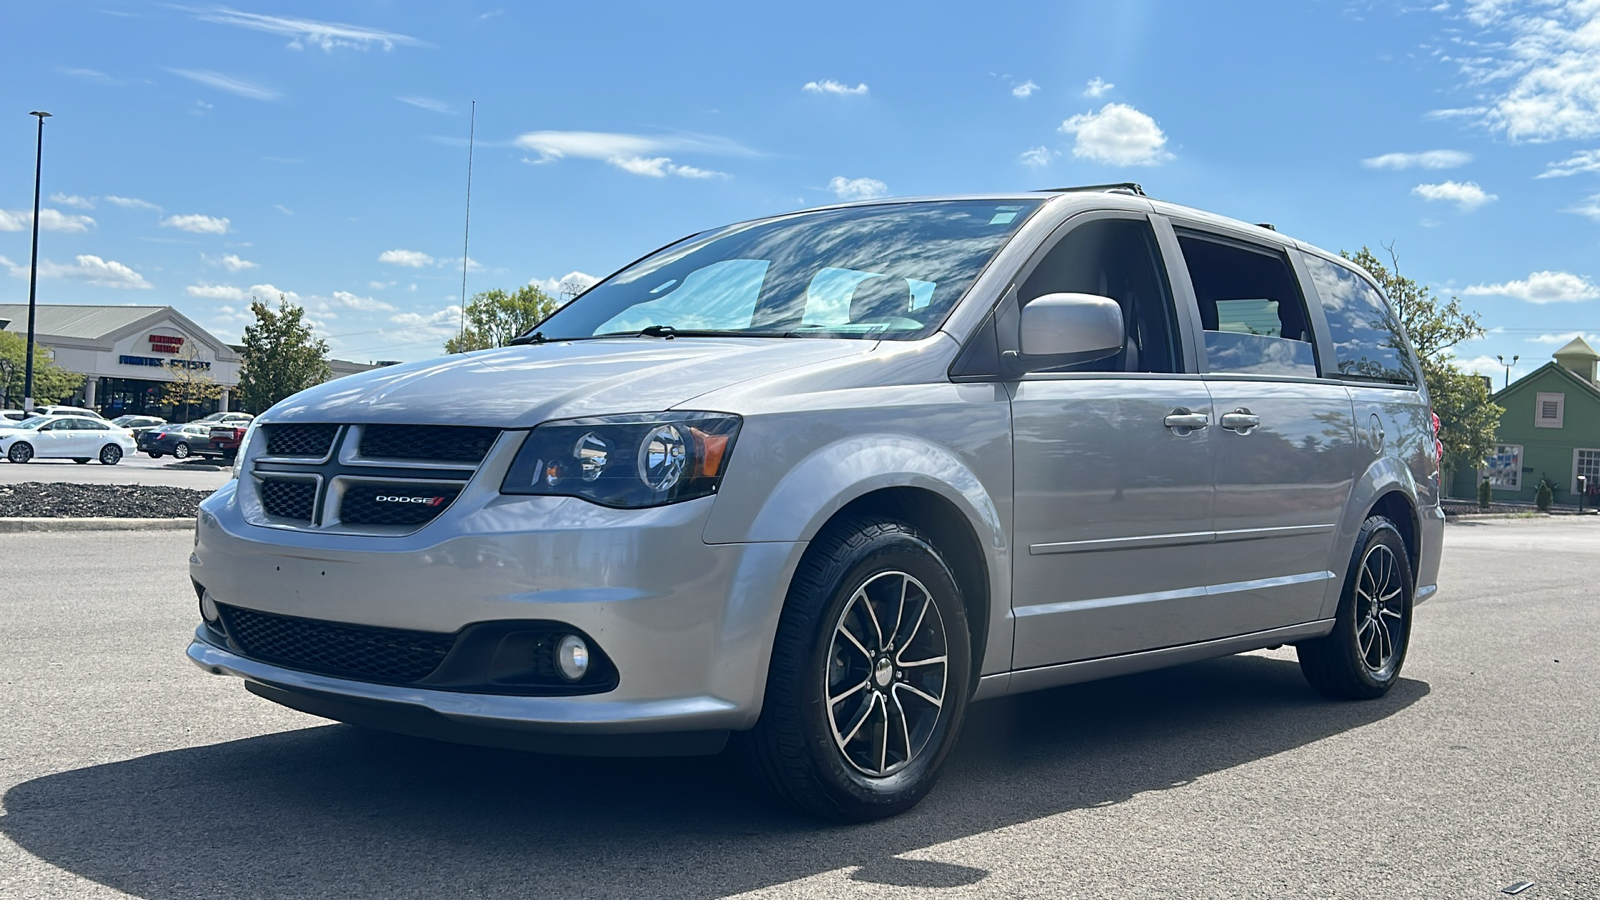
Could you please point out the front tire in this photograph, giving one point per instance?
(1361, 658)
(20, 452)
(81, 460)
(110, 455)
(153, 455)
(870, 674)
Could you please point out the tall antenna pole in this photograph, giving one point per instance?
(466, 232)
(33, 266)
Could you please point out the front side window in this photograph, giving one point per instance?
(1250, 306)
(1115, 258)
(891, 271)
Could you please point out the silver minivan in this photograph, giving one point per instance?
(825, 478)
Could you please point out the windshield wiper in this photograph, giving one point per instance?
(532, 337)
(669, 332)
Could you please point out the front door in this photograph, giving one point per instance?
(1113, 467)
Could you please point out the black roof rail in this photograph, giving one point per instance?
(1121, 187)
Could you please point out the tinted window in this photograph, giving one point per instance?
(1367, 341)
(1115, 258)
(1250, 306)
(886, 271)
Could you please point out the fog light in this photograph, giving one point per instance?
(208, 608)
(572, 657)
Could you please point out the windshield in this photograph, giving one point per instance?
(890, 271)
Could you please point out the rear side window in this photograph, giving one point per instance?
(1250, 306)
(1368, 344)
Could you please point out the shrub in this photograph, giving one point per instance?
(1485, 494)
(1544, 496)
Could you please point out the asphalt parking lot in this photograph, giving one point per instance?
(135, 468)
(126, 771)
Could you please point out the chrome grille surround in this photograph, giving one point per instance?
(357, 493)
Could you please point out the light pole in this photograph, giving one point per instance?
(1508, 365)
(33, 267)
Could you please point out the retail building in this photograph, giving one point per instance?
(1550, 431)
(129, 354)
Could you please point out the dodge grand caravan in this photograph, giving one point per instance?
(829, 477)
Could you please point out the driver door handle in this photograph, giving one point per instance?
(1183, 421)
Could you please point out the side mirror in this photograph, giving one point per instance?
(1063, 329)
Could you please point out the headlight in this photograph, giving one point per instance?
(631, 461)
(244, 444)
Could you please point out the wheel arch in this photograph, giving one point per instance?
(951, 532)
(1386, 488)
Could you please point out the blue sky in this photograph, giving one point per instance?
(200, 154)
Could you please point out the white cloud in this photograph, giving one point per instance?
(1428, 159)
(1037, 157)
(1097, 87)
(1482, 365)
(1589, 207)
(49, 220)
(428, 327)
(92, 269)
(1582, 161)
(90, 75)
(857, 188)
(300, 32)
(1541, 287)
(72, 200)
(1119, 135)
(429, 104)
(555, 287)
(635, 153)
(1564, 339)
(454, 263)
(228, 84)
(365, 304)
(1467, 196)
(131, 203)
(1538, 67)
(264, 292)
(1025, 89)
(829, 86)
(234, 263)
(415, 259)
(283, 209)
(197, 223)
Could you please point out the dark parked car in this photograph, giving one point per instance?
(178, 440)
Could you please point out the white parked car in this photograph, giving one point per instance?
(67, 411)
(76, 438)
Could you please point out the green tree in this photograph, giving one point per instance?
(1467, 419)
(495, 317)
(191, 384)
(281, 356)
(51, 383)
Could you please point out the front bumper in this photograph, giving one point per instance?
(688, 625)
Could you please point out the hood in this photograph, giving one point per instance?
(519, 387)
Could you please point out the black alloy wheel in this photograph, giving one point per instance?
(1361, 658)
(870, 674)
(110, 455)
(20, 452)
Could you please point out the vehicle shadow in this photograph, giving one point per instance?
(338, 811)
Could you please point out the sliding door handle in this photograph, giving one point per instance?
(1240, 420)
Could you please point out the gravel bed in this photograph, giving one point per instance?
(119, 501)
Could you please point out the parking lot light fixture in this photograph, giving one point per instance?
(33, 266)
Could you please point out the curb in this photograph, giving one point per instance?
(91, 523)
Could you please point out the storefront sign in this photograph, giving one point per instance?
(166, 343)
(203, 365)
(141, 361)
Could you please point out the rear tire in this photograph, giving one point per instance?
(180, 452)
(154, 455)
(20, 452)
(1361, 658)
(110, 455)
(81, 460)
(870, 674)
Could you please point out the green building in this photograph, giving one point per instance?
(1551, 429)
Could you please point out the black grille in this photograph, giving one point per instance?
(332, 648)
(288, 499)
(433, 443)
(400, 503)
(300, 440)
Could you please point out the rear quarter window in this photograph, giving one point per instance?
(1368, 342)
